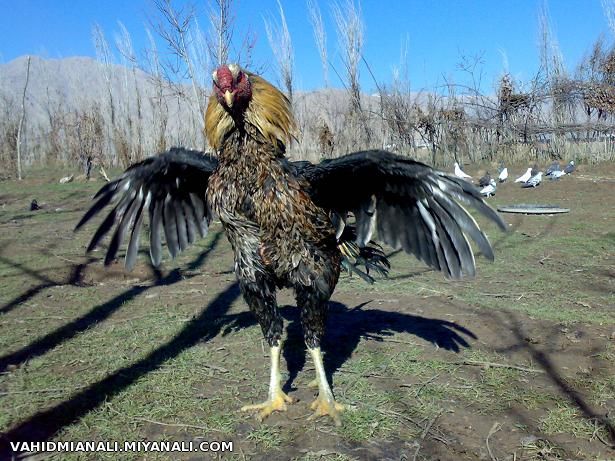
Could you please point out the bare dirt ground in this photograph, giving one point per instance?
(517, 364)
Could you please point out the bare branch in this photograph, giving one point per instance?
(22, 120)
(282, 47)
(185, 40)
(103, 55)
(608, 6)
(349, 24)
(320, 37)
(221, 20)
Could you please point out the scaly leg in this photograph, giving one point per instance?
(324, 404)
(277, 399)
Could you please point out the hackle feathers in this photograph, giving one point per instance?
(269, 112)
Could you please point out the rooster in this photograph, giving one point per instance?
(288, 222)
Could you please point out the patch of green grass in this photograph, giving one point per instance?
(266, 436)
(566, 420)
(602, 390)
(411, 363)
(365, 423)
(599, 387)
(368, 409)
(488, 389)
(368, 361)
(219, 420)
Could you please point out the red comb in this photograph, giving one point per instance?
(225, 78)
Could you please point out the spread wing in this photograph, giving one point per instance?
(407, 203)
(172, 187)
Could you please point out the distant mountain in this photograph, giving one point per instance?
(64, 86)
(73, 83)
(61, 87)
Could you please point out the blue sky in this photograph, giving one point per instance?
(438, 33)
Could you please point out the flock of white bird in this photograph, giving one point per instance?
(531, 178)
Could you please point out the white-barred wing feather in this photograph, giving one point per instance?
(172, 187)
(409, 204)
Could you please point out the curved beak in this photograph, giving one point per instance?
(229, 98)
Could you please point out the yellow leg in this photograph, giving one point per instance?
(324, 404)
(277, 399)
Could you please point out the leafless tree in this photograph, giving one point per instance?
(399, 108)
(608, 6)
(245, 54)
(133, 116)
(105, 58)
(188, 45)
(320, 37)
(350, 31)
(55, 112)
(282, 47)
(22, 119)
(158, 103)
(85, 139)
(552, 65)
(8, 135)
(222, 27)
(349, 24)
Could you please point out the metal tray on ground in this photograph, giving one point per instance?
(532, 208)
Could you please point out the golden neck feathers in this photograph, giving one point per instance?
(268, 113)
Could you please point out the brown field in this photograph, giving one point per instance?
(517, 364)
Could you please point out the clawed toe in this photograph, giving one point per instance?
(277, 403)
(330, 408)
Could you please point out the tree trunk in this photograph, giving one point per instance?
(22, 119)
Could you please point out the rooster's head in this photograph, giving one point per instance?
(242, 100)
(232, 88)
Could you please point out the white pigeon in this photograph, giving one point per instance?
(459, 172)
(534, 180)
(525, 177)
(489, 189)
(503, 174)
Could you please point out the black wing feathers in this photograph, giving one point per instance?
(172, 187)
(155, 232)
(410, 205)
